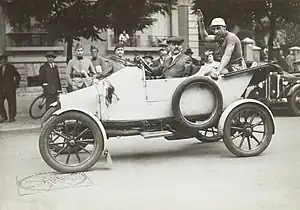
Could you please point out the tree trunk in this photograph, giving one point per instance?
(69, 48)
(271, 37)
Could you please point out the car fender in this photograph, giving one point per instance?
(96, 120)
(228, 110)
(293, 89)
(54, 104)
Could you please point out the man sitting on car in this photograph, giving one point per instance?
(230, 44)
(177, 64)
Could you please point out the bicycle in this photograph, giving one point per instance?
(37, 108)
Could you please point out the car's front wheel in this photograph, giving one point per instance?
(81, 144)
(248, 130)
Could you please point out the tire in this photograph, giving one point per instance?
(235, 128)
(215, 115)
(294, 103)
(39, 103)
(206, 138)
(45, 150)
(48, 114)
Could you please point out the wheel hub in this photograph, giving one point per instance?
(72, 142)
(248, 131)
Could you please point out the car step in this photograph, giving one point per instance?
(156, 134)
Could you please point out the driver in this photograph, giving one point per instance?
(177, 64)
(230, 44)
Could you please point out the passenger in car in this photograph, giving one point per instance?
(229, 43)
(210, 64)
(116, 61)
(177, 65)
(163, 54)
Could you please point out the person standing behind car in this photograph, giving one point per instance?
(49, 78)
(78, 69)
(9, 82)
(99, 63)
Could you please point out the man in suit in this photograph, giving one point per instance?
(9, 81)
(49, 79)
(178, 64)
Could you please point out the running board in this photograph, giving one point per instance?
(156, 134)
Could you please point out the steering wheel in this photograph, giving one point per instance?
(147, 69)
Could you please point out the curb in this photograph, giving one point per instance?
(20, 131)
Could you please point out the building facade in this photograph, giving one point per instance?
(26, 48)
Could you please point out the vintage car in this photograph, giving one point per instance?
(130, 102)
(280, 89)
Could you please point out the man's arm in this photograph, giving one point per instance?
(226, 57)
(203, 33)
(69, 72)
(17, 76)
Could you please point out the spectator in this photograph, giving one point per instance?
(123, 38)
(190, 53)
(290, 59)
(98, 63)
(78, 70)
(9, 82)
(49, 78)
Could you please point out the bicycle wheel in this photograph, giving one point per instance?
(38, 107)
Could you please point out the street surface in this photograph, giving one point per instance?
(158, 174)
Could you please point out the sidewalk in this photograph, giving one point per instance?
(23, 123)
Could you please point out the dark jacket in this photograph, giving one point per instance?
(114, 64)
(176, 68)
(10, 80)
(51, 77)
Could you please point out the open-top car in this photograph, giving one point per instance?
(75, 130)
(280, 89)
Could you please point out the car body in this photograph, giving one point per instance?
(127, 103)
(279, 89)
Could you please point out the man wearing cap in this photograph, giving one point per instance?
(99, 63)
(79, 70)
(232, 54)
(190, 53)
(163, 55)
(9, 82)
(178, 64)
(116, 61)
(49, 78)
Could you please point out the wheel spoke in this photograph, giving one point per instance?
(237, 128)
(84, 131)
(58, 143)
(258, 131)
(77, 155)
(252, 118)
(81, 147)
(234, 137)
(68, 157)
(255, 139)
(242, 141)
(60, 134)
(86, 141)
(54, 139)
(60, 151)
(249, 143)
(256, 124)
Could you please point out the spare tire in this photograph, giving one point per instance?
(213, 117)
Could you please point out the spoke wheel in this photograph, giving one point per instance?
(209, 135)
(38, 107)
(71, 142)
(248, 130)
(294, 103)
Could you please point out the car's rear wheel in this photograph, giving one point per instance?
(248, 130)
(209, 135)
(81, 146)
(210, 119)
(294, 103)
